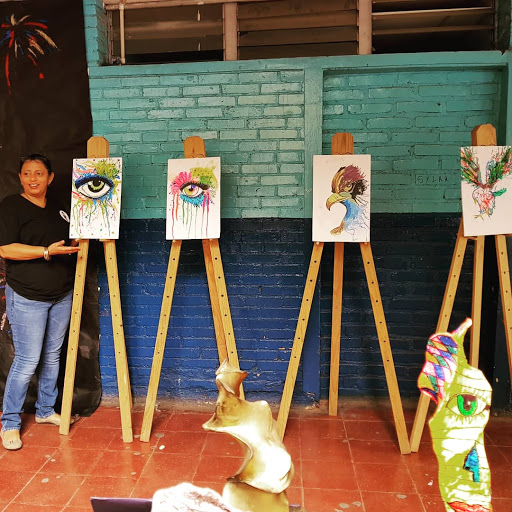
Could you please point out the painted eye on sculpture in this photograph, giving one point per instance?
(94, 186)
(466, 405)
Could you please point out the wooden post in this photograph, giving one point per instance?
(442, 326)
(222, 297)
(337, 294)
(74, 334)
(230, 30)
(123, 377)
(385, 349)
(476, 306)
(364, 26)
(300, 335)
(506, 293)
(214, 301)
(482, 135)
(341, 144)
(163, 325)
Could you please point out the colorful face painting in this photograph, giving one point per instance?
(486, 190)
(463, 398)
(341, 198)
(193, 198)
(24, 39)
(96, 198)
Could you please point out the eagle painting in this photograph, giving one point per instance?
(348, 186)
(486, 182)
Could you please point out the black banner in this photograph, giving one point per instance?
(45, 108)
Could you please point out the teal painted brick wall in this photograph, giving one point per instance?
(96, 32)
(253, 120)
(413, 124)
(266, 119)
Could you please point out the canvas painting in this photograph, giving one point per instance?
(341, 198)
(486, 190)
(193, 198)
(96, 198)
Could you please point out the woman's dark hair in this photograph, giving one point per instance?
(40, 158)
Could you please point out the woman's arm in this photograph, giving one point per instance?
(22, 252)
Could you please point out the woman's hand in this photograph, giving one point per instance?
(59, 248)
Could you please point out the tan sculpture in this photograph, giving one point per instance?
(267, 468)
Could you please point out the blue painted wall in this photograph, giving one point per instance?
(266, 119)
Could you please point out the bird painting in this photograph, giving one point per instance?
(348, 186)
(341, 198)
(486, 183)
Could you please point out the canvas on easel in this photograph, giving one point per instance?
(193, 212)
(346, 180)
(193, 198)
(486, 190)
(341, 198)
(96, 201)
(96, 198)
(477, 174)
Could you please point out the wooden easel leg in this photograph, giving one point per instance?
(476, 307)
(337, 293)
(163, 325)
(123, 377)
(214, 300)
(225, 313)
(74, 334)
(442, 326)
(298, 341)
(506, 295)
(385, 349)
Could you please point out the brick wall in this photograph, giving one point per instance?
(412, 123)
(265, 263)
(255, 120)
(266, 119)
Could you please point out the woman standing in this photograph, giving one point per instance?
(38, 293)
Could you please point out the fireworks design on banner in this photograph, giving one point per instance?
(96, 198)
(193, 206)
(23, 39)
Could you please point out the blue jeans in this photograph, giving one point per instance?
(38, 330)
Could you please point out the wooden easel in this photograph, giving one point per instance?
(342, 144)
(226, 346)
(98, 147)
(482, 135)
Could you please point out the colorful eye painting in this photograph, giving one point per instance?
(193, 198)
(341, 198)
(96, 198)
(486, 190)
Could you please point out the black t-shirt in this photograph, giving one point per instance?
(23, 222)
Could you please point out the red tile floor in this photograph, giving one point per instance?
(348, 463)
